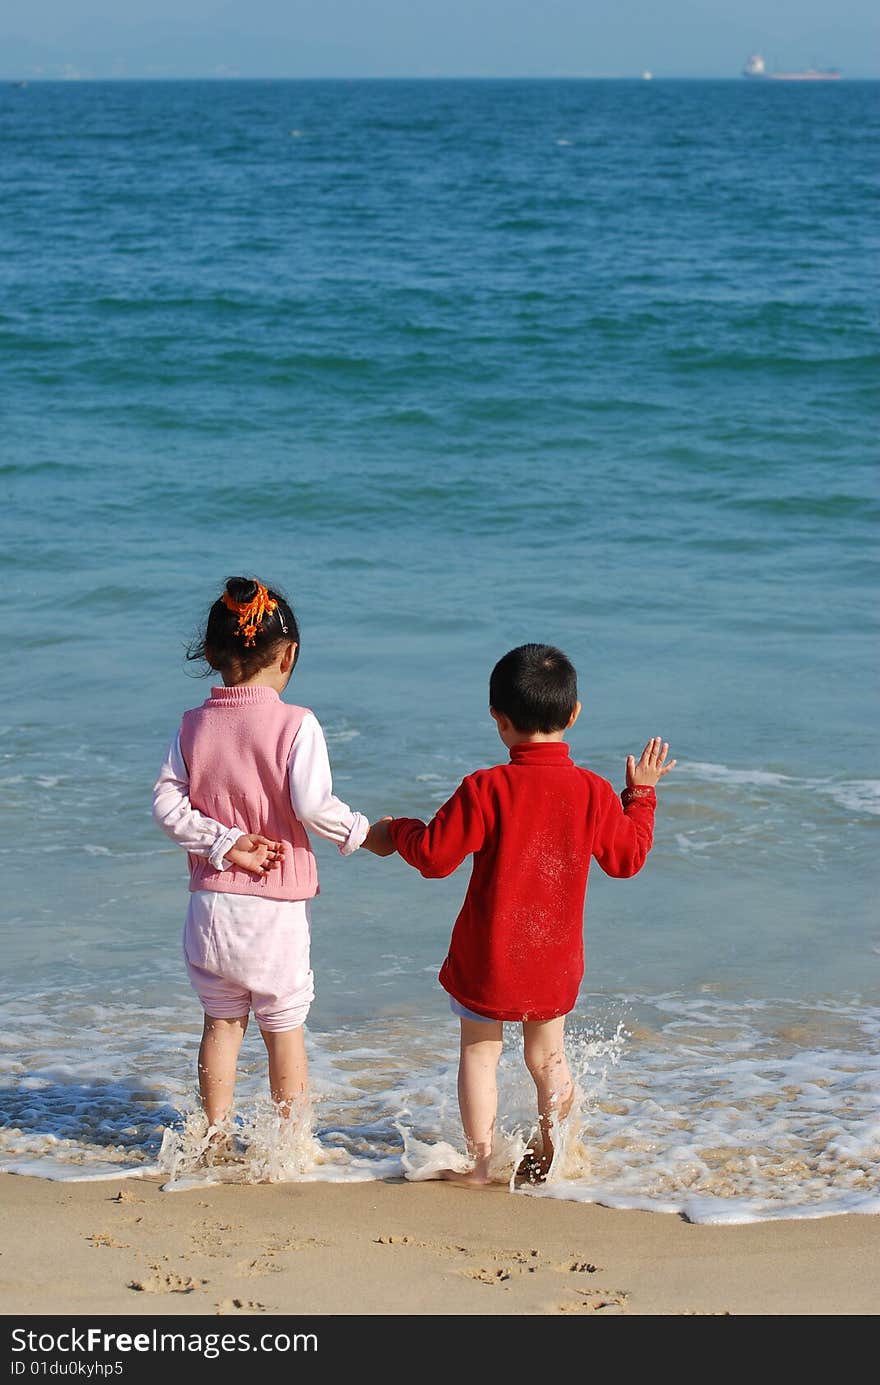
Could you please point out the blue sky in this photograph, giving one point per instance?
(494, 38)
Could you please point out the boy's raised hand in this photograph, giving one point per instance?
(256, 854)
(650, 767)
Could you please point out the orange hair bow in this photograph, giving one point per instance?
(251, 614)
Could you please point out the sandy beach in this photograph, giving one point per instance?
(378, 1248)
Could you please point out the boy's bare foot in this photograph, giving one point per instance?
(533, 1167)
(471, 1179)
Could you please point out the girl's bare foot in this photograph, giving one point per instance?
(220, 1149)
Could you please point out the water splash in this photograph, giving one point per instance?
(713, 1107)
(423, 1160)
(591, 1057)
(262, 1146)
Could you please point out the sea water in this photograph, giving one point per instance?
(459, 365)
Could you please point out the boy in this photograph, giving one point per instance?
(517, 950)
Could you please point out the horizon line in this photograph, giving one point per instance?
(74, 79)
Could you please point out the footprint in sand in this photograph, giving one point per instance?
(527, 1258)
(265, 1262)
(213, 1238)
(438, 1247)
(508, 1263)
(170, 1283)
(100, 1238)
(595, 1301)
(483, 1276)
(259, 1265)
(239, 1305)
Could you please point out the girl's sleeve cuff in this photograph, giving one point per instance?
(224, 843)
(356, 836)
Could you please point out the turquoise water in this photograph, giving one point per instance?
(458, 365)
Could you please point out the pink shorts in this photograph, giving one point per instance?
(246, 953)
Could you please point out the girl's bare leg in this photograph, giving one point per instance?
(288, 1067)
(218, 1056)
(544, 1044)
(481, 1043)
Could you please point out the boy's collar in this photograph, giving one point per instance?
(539, 753)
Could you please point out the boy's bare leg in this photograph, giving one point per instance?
(288, 1067)
(544, 1045)
(481, 1043)
(218, 1056)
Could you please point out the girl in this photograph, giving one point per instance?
(245, 764)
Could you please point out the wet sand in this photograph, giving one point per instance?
(427, 1248)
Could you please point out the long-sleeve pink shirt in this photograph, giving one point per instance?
(310, 786)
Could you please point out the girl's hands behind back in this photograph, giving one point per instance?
(650, 767)
(256, 854)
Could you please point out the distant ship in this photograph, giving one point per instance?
(756, 67)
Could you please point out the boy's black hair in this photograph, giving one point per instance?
(535, 685)
(223, 645)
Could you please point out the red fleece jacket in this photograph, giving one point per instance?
(517, 949)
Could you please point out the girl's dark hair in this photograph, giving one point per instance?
(536, 686)
(224, 646)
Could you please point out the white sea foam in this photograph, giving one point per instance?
(340, 735)
(857, 795)
(714, 810)
(423, 1160)
(704, 769)
(55, 1172)
(716, 1109)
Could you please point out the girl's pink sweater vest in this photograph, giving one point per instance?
(236, 746)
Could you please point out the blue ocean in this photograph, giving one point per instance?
(458, 365)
